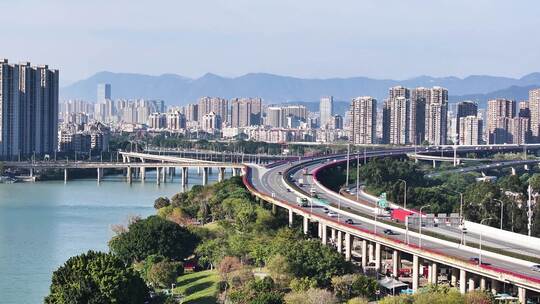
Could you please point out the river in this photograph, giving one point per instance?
(42, 224)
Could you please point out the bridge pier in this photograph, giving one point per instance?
(370, 252)
(377, 257)
(129, 175)
(472, 283)
(65, 175)
(143, 173)
(221, 174)
(274, 209)
(415, 273)
(99, 174)
(454, 277)
(434, 273)
(396, 263)
(482, 283)
(522, 295)
(158, 177)
(31, 173)
(348, 243)
(339, 242)
(205, 176)
(324, 236)
(185, 176)
(233, 171)
(199, 170)
(463, 281)
(364, 254)
(306, 225)
(291, 217)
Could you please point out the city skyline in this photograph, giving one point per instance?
(178, 40)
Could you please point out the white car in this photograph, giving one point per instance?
(535, 268)
(332, 214)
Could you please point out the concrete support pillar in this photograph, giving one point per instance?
(306, 225)
(472, 283)
(415, 273)
(370, 252)
(364, 254)
(158, 177)
(233, 171)
(462, 281)
(324, 234)
(454, 277)
(185, 176)
(348, 243)
(164, 174)
(274, 209)
(129, 175)
(494, 286)
(396, 263)
(434, 164)
(221, 174)
(99, 174)
(434, 273)
(339, 241)
(65, 175)
(198, 170)
(210, 170)
(205, 176)
(291, 217)
(143, 173)
(31, 172)
(377, 256)
(429, 274)
(319, 230)
(482, 283)
(522, 295)
(333, 235)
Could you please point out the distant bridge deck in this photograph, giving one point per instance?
(116, 165)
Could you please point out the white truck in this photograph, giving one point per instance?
(301, 201)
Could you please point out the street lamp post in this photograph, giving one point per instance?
(420, 225)
(502, 210)
(348, 158)
(480, 246)
(357, 174)
(405, 194)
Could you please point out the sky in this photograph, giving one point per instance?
(395, 39)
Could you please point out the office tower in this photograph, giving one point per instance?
(246, 112)
(103, 92)
(399, 124)
(464, 109)
(420, 97)
(363, 120)
(326, 109)
(28, 109)
(436, 116)
(219, 106)
(534, 107)
(518, 129)
(470, 128)
(499, 112)
(273, 117)
(299, 112)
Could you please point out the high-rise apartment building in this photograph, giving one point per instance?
(273, 117)
(470, 128)
(518, 129)
(436, 116)
(246, 112)
(103, 92)
(420, 97)
(28, 109)
(498, 114)
(326, 109)
(399, 120)
(534, 107)
(363, 120)
(219, 106)
(464, 109)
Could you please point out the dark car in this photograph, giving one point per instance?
(325, 209)
(349, 221)
(389, 232)
(476, 261)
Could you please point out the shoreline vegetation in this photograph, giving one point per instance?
(218, 244)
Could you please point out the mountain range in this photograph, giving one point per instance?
(179, 90)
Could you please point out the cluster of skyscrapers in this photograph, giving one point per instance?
(28, 109)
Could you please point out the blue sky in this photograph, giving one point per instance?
(306, 38)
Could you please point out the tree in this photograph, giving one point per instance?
(358, 300)
(210, 252)
(353, 285)
(302, 284)
(96, 277)
(163, 274)
(161, 202)
(311, 296)
(153, 235)
(280, 270)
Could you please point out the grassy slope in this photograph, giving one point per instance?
(198, 287)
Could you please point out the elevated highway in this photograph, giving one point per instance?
(496, 272)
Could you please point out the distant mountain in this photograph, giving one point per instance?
(514, 92)
(175, 89)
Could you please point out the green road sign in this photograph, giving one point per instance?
(382, 202)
